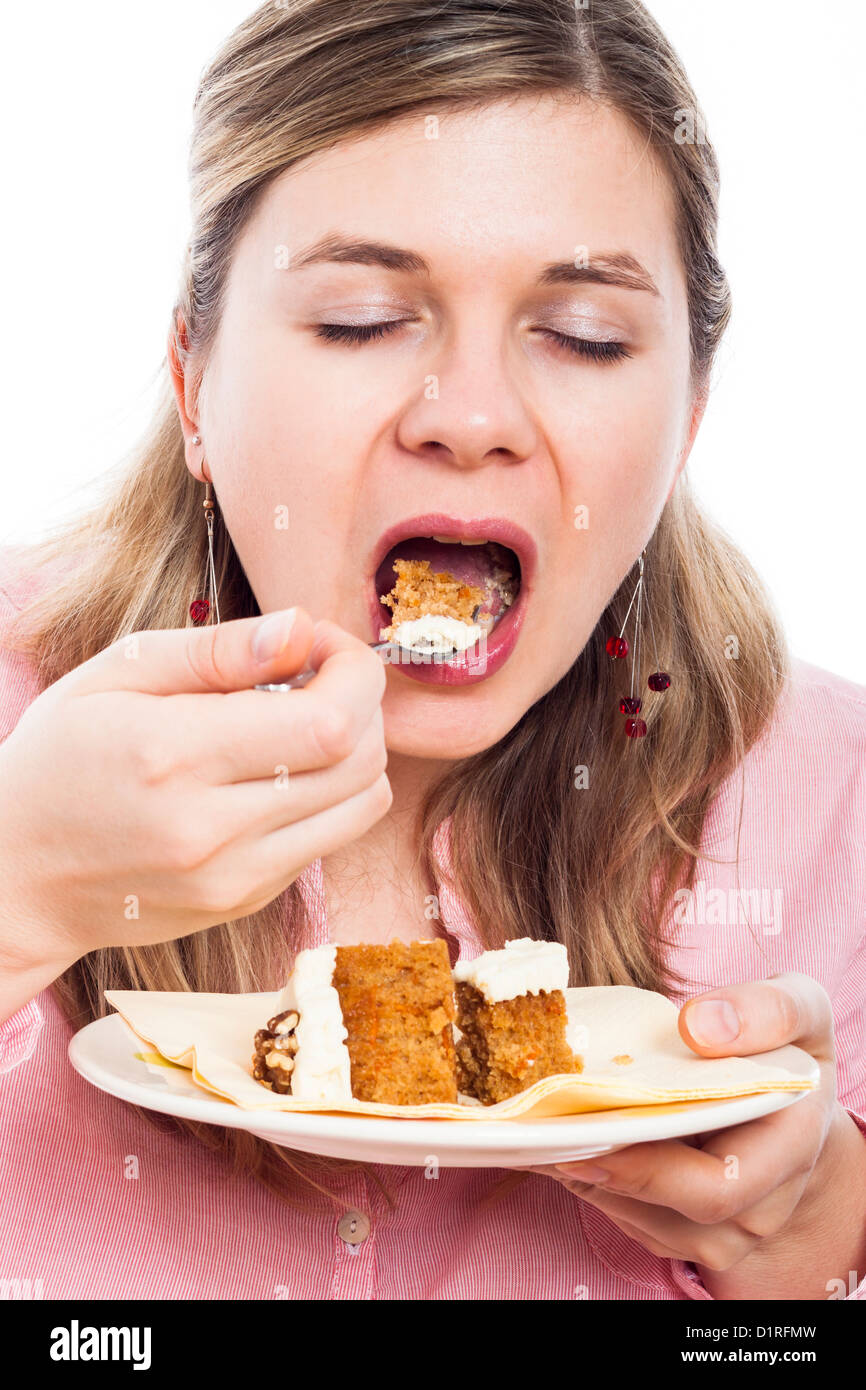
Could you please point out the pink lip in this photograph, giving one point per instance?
(463, 669)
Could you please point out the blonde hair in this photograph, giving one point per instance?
(594, 870)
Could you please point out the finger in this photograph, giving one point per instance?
(241, 877)
(648, 1241)
(222, 657)
(316, 836)
(548, 1170)
(248, 810)
(251, 734)
(737, 1169)
(744, 1019)
(773, 1212)
(341, 662)
(320, 724)
(663, 1232)
(672, 1235)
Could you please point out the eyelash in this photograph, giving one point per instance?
(353, 334)
(591, 348)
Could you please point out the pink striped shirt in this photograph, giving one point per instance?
(76, 1226)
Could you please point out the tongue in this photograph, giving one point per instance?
(471, 564)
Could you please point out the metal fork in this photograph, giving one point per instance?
(298, 682)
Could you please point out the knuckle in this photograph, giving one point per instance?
(332, 733)
(381, 796)
(759, 1223)
(187, 845)
(380, 761)
(372, 758)
(366, 671)
(154, 762)
(720, 1204)
(218, 893)
(204, 656)
(708, 1253)
(378, 674)
(633, 1187)
(711, 1253)
(788, 1012)
(722, 1250)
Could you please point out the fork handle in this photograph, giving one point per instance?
(298, 682)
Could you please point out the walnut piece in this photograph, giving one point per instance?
(274, 1055)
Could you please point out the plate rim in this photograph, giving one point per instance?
(452, 1137)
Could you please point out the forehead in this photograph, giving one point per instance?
(515, 182)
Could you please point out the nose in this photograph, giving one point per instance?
(470, 413)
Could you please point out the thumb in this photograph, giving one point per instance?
(221, 657)
(760, 1015)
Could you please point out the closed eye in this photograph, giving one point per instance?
(353, 334)
(356, 332)
(595, 349)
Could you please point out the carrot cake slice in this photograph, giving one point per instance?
(512, 1018)
(373, 1022)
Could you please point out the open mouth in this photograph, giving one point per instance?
(450, 594)
(440, 595)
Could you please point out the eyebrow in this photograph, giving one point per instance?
(617, 268)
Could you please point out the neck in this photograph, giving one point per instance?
(375, 883)
(396, 833)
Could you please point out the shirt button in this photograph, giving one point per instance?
(353, 1227)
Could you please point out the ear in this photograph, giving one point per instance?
(699, 405)
(194, 452)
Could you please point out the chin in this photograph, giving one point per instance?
(447, 727)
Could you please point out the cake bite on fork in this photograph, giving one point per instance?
(446, 596)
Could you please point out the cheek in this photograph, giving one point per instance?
(284, 464)
(619, 463)
(271, 420)
(288, 420)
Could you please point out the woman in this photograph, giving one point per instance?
(452, 273)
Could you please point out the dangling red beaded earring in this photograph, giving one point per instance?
(618, 647)
(200, 608)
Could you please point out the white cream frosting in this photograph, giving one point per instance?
(521, 967)
(322, 1068)
(438, 633)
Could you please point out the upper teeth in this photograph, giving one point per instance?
(455, 540)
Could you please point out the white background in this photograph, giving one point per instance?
(96, 103)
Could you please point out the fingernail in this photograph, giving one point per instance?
(272, 635)
(713, 1021)
(588, 1172)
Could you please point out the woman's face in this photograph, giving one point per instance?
(532, 387)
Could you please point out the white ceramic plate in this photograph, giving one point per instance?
(105, 1054)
